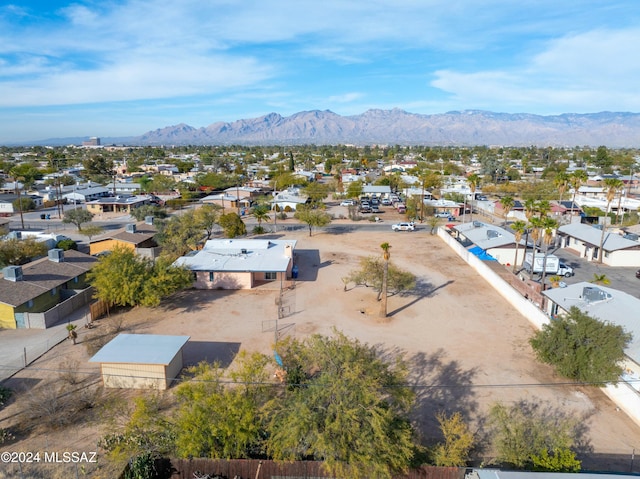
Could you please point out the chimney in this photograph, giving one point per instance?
(56, 255)
(288, 251)
(130, 228)
(12, 273)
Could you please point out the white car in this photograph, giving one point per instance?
(348, 203)
(403, 226)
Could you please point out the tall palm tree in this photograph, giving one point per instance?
(576, 179)
(474, 182)
(549, 225)
(561, 181)
(261, 213)
(612, 186)
(530, 208)
(535, 224)
(507, 203)
(542, 207)
(518, 227)
(386, 254)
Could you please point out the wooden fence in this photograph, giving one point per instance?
(98, 309)
(266, 469)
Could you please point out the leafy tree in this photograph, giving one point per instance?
(207, 217)
(179, 234)
(233, 225)
(98, 168)
(371, 273)
(582, 348)
(312, 217)
(162, 184)
(316, 192)
(67, 244)
(24, 204)
(352, 412)
(124, 279)
(77, 217)
(16, 252)
(140, 213)
(91, 230)
(146, 429)
(458, 442)
(354, 190)
(525, 434)
(233, 427)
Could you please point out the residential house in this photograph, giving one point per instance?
(139, 237)
(240, 264)
(118, 204)
(289, 199)
(585, 239)
(41, 293)
(608, 305)
(381, 191)
(489, 242)
(84, 195)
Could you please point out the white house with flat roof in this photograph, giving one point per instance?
(240, 263)
(497, 242)
(140, 361)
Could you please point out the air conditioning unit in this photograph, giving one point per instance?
(56, 255)
(130, 228)
(148, 220)
(12, 273)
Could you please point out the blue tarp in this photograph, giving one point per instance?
(482, 254)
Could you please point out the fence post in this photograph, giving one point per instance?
(25, 356)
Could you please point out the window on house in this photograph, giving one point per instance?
(194, 276)
(211, 276)
(30, 303)
(54, 291)
(271, 276)
(76, 280)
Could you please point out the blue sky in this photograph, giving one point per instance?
(120, 68)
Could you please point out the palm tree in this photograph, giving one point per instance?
(507, 203)
(385, 278)
(576, 179)
(474, 181)
(261, 213)
(535, 224)
(613, 185)
(561, 181)
(518, 227)
(530, 208)
(18, 191)
(542, 208)
(600, 279)
(549, 225)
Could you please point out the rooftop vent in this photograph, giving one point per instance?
(13, 273)
(493, 234)
(630, 236)
(15, 235)
(130, 228)
(56, 255)
(243, 250)
(478, 224)
(591, 294)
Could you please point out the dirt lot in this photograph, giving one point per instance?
(467, 347)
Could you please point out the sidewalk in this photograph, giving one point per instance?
(20, 346)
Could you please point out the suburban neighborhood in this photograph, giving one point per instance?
(149, 279)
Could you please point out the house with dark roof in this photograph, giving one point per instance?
(139, 237)
(118, 204)
(41, 293)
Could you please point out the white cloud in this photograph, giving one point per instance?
(585, 72)
(346, 97)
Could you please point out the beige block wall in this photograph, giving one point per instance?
(223, 281)
(173, 369)
(133, 376)
(628, 258)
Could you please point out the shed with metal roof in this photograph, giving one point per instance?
(140, 361)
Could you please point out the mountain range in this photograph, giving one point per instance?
(456, 128)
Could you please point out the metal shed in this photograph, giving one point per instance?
(140, 361)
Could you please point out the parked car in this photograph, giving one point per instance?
(385, 201)
(443, 215)
(347, 203)
(566, 271)
(404, 226)
(638, 274)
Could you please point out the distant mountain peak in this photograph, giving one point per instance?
(397, 126)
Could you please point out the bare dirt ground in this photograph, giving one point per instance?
(466, 346)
